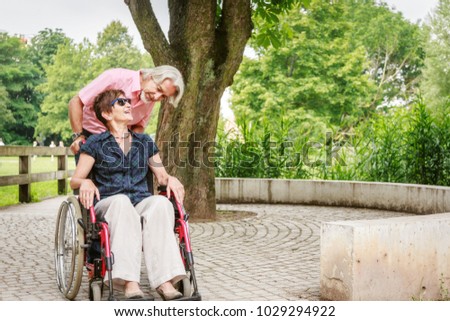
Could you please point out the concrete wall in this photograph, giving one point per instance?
(418, 199)
(389, 259)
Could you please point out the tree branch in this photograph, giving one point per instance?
(232, 35)
(152, 35)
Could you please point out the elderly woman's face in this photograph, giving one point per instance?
(121, 110)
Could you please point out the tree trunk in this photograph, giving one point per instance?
(208, 52)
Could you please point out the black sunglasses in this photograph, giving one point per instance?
(121, 101)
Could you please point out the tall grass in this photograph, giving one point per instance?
(260, 150)
(381, 152)
(404, 145)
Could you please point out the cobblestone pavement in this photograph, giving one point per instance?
(274, 255)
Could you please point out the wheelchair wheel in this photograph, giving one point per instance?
(69, 243)
(184, 286)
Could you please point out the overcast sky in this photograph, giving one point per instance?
(85, 18)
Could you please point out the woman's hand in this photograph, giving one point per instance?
(87, 192)
(175, 187)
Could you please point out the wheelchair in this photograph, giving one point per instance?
(82, 242)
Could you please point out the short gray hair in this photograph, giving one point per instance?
(161, 73)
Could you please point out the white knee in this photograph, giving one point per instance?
(161, 208)
(122, 204)
(120, 208)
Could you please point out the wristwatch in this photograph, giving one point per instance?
(76, 135)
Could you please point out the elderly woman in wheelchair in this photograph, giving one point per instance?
(138, 222)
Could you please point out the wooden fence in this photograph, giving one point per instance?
(25, 177)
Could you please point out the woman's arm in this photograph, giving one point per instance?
(163, 178)
(80, 180)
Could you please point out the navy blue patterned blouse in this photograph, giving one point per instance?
(117, 173)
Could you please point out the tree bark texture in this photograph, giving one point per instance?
(208, 50)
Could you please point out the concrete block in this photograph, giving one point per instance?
(388, 259)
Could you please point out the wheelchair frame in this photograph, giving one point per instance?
(77, 229)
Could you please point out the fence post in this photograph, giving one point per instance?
(25, 189)
(62, 183)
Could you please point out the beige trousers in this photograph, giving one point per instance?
(155, 238)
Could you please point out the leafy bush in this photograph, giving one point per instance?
(399, 144)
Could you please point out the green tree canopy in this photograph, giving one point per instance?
(68, 73)
(394, 47)
(319, 70)
(436, 75)
(115, 48)
(7, 116)
(341, 62)
(18, 78)
(44, 45)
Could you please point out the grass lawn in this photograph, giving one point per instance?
(9, 195)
